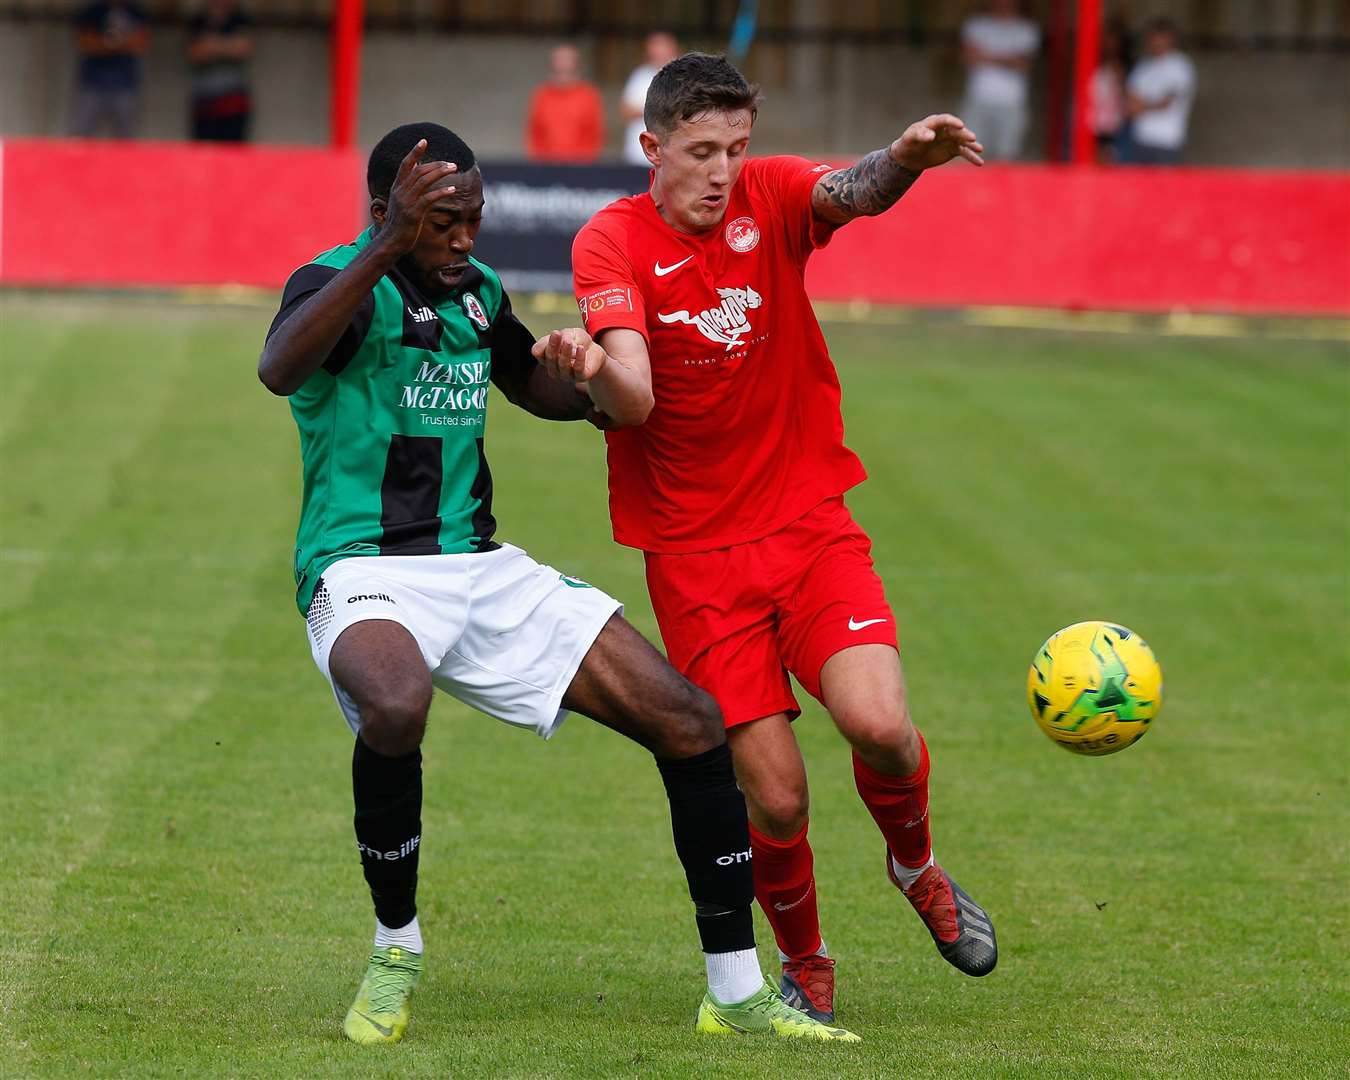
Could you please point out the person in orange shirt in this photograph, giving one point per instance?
(567, 118)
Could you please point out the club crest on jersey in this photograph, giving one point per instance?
(474, 310)
(726, 323)
(742, 234)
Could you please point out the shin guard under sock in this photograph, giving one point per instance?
(785, 887)
(388, 796)
(712, 839)
(899, 806)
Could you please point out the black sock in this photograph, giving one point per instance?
(388, 796)
(712, 838)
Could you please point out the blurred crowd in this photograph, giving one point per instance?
(1139, 100)
(1138, 106)
(112, 38)
(567, 114)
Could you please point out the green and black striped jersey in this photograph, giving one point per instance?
(392, 425)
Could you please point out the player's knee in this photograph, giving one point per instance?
(886, 739)
(781, 810)
(394, 722)
(690, 724)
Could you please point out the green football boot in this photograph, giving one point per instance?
(380, 1012)
(764, 1013)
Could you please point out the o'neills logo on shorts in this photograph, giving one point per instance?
(370, 596)
(404, 850)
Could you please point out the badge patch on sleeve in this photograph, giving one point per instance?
(605, 299)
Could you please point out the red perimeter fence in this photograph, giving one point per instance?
(144, 214)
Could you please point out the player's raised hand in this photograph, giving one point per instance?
(934, 141)
(415, 190)
(569, 355)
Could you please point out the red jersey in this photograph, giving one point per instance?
(746, 435)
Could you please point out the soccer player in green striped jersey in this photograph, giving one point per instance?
(388, 348)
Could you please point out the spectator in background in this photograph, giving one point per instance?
(220, 43)
(1158, 99)
(1106, 92)
(998, 49)
(660, 49)
(111, 39)
(567, 118)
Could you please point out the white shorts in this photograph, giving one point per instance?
(498, 631)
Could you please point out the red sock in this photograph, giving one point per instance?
(785, 887)
(899, 806)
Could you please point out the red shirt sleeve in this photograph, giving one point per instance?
(788, 182)
(603, 279)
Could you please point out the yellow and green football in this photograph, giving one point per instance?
(1094, 687)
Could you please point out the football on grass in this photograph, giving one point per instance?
(1094, 687)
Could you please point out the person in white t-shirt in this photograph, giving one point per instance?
(660, 49)
(998, 49)
(1159, 93)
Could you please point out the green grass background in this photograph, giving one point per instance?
(181, 896)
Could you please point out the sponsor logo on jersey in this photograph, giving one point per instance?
(727, 323)
(574, 582)
(370, 596)
(742, 234)
(613, 297)
(422, 314)
(474, 310)
(459, 388)
(823, 168)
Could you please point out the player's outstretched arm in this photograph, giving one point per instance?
(524, 380)
(877, 182)
(300, 345)
(616, 374)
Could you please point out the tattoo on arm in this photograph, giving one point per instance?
(870, 187)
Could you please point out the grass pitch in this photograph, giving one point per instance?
(181, 893)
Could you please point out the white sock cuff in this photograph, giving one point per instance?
(733, 976)
(405, 937)
(909, 875)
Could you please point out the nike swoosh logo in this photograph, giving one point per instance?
(385, 1031)
(779, 906)
(662, 271)
(853, 625)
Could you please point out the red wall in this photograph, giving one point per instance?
(124, 214)
(127, 214)
(1142, 239)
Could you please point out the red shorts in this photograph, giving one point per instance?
(737, 620)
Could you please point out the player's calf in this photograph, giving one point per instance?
(683, 723)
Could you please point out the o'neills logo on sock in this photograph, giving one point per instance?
(404, 850)
(734, 858)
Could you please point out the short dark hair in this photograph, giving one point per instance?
(1163, 25)
(692, 85)
(442, 145)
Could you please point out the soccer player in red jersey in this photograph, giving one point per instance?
(733, 484)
